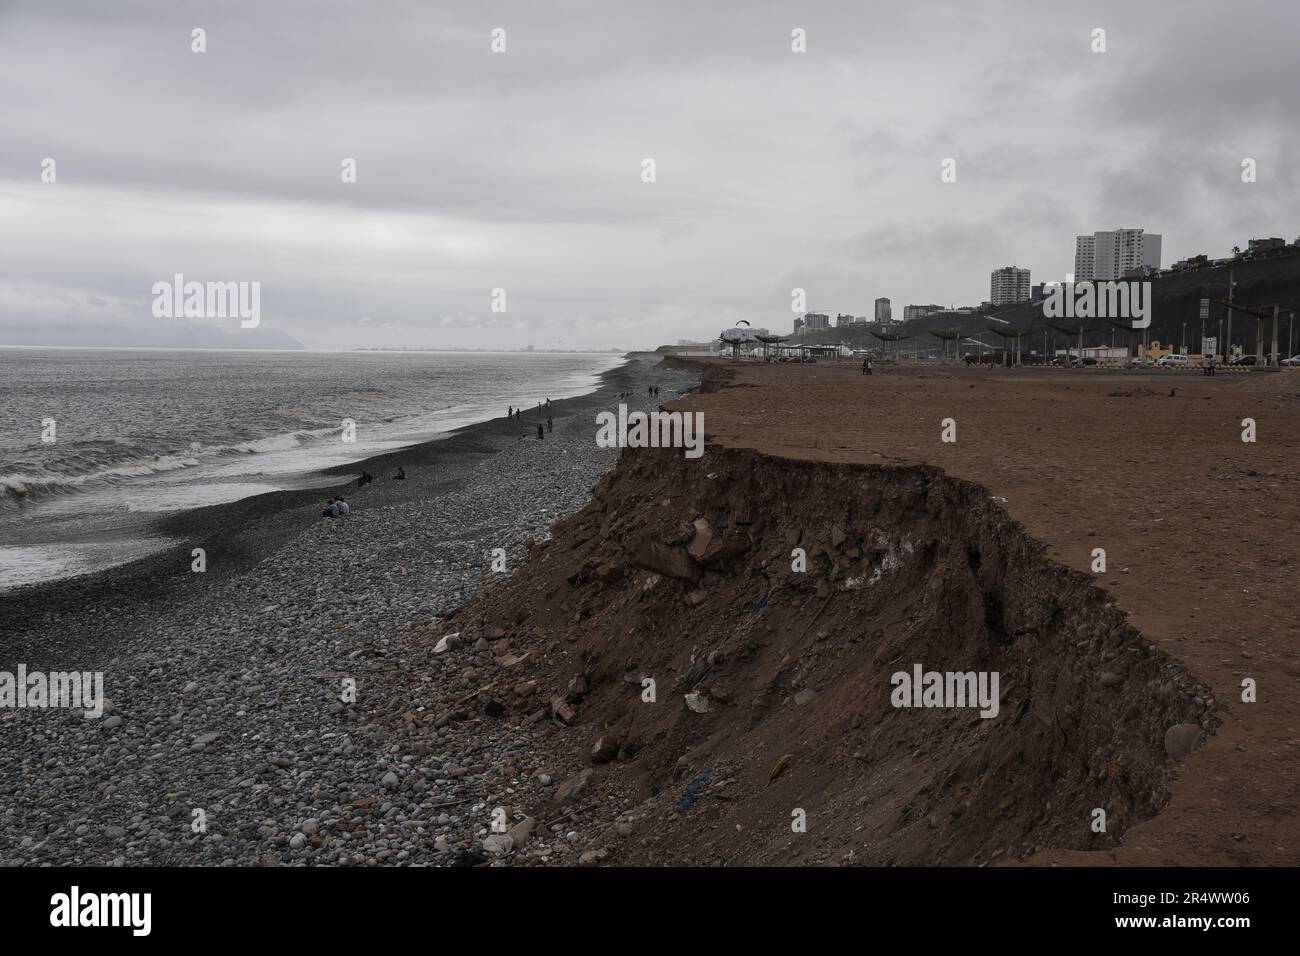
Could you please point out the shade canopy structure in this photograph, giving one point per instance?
(1007, 333)
(947, 335)
(769, 341)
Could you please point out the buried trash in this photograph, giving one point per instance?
(779, 767)
(693, 788)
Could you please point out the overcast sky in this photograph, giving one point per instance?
(522, 170)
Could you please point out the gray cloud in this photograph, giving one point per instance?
(522, 171)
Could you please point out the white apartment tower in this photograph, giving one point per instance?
(1108, 255)
(1008, 285)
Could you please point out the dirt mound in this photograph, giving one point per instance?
(774, 688)
(712, 377)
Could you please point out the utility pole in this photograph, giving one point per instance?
(1276, 358)
(1227, 348)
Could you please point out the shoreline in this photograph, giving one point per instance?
(290, 691)
(236, 535)
(226, 694)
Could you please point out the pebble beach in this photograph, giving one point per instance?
(261, 713)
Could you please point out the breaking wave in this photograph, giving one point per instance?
(87, 469)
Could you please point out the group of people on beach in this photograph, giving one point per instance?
(866, 365)
(339, 507)
(516, 414)
(1207, 365)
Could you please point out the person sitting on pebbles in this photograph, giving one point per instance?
(336, 508)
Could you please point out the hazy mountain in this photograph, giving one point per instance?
(175, 334)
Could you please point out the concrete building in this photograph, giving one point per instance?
(1007, 285)
(1191, 262)
(917, 311)
(1085, 258)
(883, 315)
(1104, 256)
(1264, 245)
(816, 322)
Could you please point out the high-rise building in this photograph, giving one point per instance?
(1104, 256)
(882, 311)
(1085, 258)
(1008, 285)
(816, 321)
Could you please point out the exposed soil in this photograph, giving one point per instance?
(681, 571)
(1199, 529)
(1108, 679)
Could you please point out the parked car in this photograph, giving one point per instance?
(1293, 360)
(1141, 361)
(1245, 360)
(1173, 361)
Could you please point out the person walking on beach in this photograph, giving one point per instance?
(510, 412)
(540, 436)
(550, 426)
(1213, 362)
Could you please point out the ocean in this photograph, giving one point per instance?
(141, 433)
